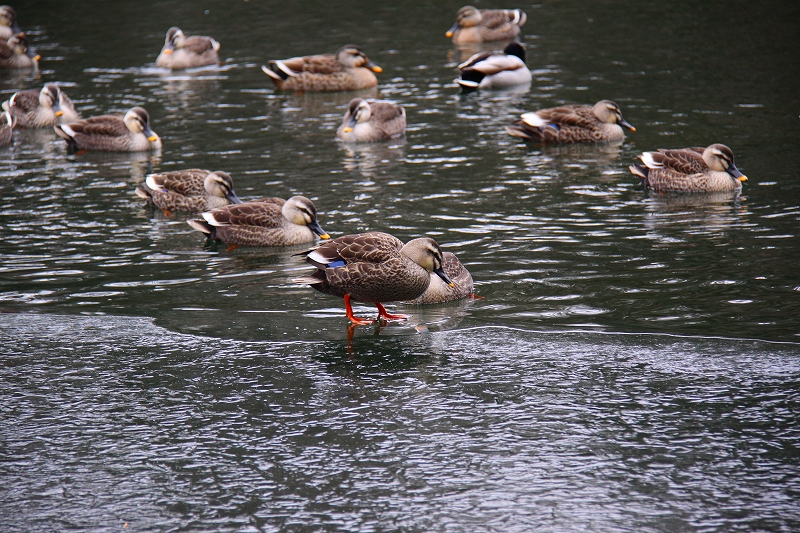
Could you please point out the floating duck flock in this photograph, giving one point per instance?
(373, 267)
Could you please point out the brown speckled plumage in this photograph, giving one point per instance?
(180, 52)
(439, 292)
(373, 121)
(695, 169)
(265, 222)
(41, 108)
(194, 190)
(572, 124)
(112, 133)
(347, 70)
(475, 25)
(6, 128)
(373, 267)
(8, 23)
(15, 53)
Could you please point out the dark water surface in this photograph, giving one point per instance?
(632, 364)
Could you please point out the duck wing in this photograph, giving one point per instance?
(684, 160)
(265, 214)
(495, 18)
(189, 182)
(200, 45)
(316, 64)
(107, 125)
(569, 115)
(26, 101)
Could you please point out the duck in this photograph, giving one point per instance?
(8, 23)
(180, 52)
(572, 124)
(475, 25)
(112, 133)
(41, 108)
(6, 128)
(374, 267)
(696, 169)
(440, 292)
(347, 70)
(373, 121)
(495, 70)
(263, 222)
(15, 53)
(195, 190)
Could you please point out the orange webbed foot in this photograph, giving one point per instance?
(383, 313)
(354, 319)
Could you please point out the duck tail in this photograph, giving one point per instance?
(202, 226)
(312, 279)
(66, 133)
(144, 192)
(518, 129)
(639, 170)
(271, 73)
(470, 79)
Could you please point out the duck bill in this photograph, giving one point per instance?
(733, 171)
(232, 197)
(317, 229)
(449, 33)
(351, 123)
(57, 109)
(441, 273)
(625, 124)
(151, 135)
(373, 67)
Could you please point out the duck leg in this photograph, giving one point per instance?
(354, 319)
(383, 313)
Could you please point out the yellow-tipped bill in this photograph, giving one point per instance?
(742, 178)
(347, 129)
(376, 68)
(152, 138)
(168, 51)
(37, 57)
(59, 113)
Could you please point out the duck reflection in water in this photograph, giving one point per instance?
(373, 160)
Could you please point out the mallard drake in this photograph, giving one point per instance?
(695, 169)
(373, 121)
(572, 124)
(8, 23)
(265, 222)
(43, 108)
(347, 70)
(475, 25)
(193, 190)
(112, 133)
(495, 70)
(15, 53)
(373, 268)
(181, 52)
(6, 127)
(439, 291)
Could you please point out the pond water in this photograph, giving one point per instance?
(632, 363)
